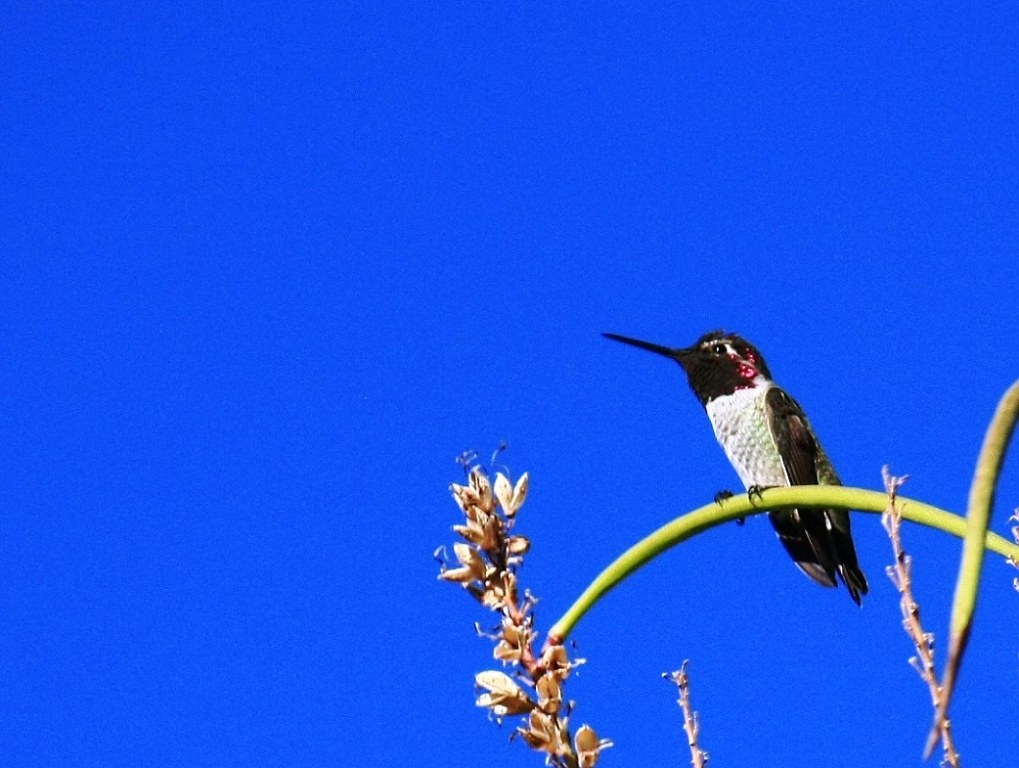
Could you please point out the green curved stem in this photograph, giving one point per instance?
(710, 515)
(978, 519)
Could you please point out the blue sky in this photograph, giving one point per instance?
(270, 269)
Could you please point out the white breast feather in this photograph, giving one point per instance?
(740, 421)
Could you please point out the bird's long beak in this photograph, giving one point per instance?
(677, 354)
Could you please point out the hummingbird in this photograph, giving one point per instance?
(769, 442)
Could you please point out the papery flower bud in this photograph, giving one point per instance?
(503, 696)
(483, 488)
(470, 558)
(589, 746)
(519, 495)
(504, 492)
(517, 545)
(550, 693)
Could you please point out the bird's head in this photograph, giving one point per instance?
(717, 364)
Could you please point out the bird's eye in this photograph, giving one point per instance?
(718, 349)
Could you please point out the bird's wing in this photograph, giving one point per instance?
(804, 533)
(818, 540)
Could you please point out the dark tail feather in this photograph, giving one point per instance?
(820, 544)
(845, 553)
(804, 535)
(854, 580)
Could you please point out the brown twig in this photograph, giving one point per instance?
(901, 576)
(1015, 535)
(691, 722)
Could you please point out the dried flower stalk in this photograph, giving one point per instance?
(488, 559)
(900, 574)
(691, 722)
(1015, 535)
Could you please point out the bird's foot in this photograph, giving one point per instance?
(757, 490)
(720, 498)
